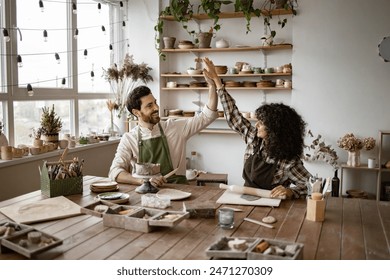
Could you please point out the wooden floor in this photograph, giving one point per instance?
(353, 229)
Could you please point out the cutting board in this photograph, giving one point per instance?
(229, 197)
(45, 210)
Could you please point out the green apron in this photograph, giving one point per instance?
(156, 150)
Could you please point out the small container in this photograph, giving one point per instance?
(226, 218)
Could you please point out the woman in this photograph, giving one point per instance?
(274, 145)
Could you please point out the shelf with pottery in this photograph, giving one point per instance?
(231, 49)
(229, 88)
(167, 75)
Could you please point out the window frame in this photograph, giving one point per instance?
(70, 93)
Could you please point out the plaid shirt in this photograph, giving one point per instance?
(289, 173)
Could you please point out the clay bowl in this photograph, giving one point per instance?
(221, 69)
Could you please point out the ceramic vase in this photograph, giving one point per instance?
(353, 158)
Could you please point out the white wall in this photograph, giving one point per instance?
(340, 83)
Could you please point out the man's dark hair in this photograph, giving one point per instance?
(134, 98)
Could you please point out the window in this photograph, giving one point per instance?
(59, 53)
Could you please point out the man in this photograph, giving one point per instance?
(158, 142)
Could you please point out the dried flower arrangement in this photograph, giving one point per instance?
(123, 80)
(321, 151)
(36, 133)
(351, 143)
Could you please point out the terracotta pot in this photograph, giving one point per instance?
(204, 39)
(169, 42)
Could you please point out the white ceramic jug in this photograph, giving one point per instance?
(221, 43)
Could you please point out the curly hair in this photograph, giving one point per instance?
(285, 131)
(134, 98)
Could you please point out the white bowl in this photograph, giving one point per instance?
(194, 71)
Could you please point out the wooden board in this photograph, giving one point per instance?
(229, 197)
(44, 210)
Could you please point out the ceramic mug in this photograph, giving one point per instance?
(287, 84)
(279, 82)
(279, 69)
(233, 70)
(246, 67)
(171, 84)
(191, 174)
(268, 70)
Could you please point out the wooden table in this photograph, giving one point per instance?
(353, 229)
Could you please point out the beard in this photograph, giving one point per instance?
(152, 118)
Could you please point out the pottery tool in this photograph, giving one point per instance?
(234, 209)
(249, 190)
(258, 223)
(166, 176)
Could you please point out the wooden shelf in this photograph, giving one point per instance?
(228, 88)
(233, 15)
(167, 75)
(235, 49)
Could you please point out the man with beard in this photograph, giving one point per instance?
(158, 142)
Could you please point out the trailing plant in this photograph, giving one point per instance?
(181, 11)
(50, 122)
(246, 7)
(270, 5)
(213, 8)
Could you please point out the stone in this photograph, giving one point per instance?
(269, 220)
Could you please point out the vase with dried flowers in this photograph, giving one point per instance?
(122, 81)
(354, 145)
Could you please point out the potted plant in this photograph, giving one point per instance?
(36, 135)
(51, 124)
(181, 11)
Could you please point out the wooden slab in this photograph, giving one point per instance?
(44, 210)
(229, 197)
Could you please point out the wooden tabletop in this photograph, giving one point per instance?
(353, 229)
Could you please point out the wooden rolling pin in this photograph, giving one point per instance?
(249, 190)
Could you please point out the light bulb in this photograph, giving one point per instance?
(74, 8)
(85, 54)
(92, 75)
(41, 5)
(121, 5)
(30, 91)
(63, 82)
(123, 24)
(6, 35)
(45, 35)
(99, 7)
(104, 29)
(57, 56)
(76, 33)
(20, 63)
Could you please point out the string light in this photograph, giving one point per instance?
(20, 63)
(45, 35)
(99, 7)
(92, 75)
(57, 56)
(110, 47)
(123, 24)
(104, 29)
(63, 82)
(74, 8)
(41, 6)
(6, 35)
(76, 33)
(30, 91)
(121, 5)
(85, 54)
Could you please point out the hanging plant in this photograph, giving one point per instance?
(213, 8)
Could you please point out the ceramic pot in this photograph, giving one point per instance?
(6, 152)
(169, 42)
(204, 39)
(222, 43)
